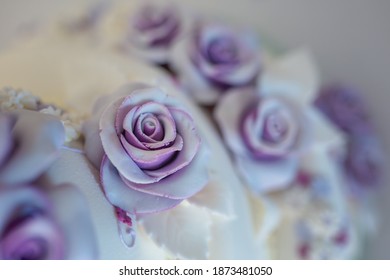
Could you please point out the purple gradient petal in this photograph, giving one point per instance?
(244, 74)
(134, 202)
(275, 128)
(165, 120)
(34, 153)
(152, 159)
(114, 149)
(148, 128)
(186, 129)
(93, 146)
(27, 227)
(153, 31)
(34, 239)
(135, 95)
(170, 133)
(128, 127)
(222, 50)
(181, 185)
(149, 17)
(345, 108)
(244, 64)
(254, 123)
(155, 26)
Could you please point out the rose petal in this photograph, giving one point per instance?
(243, 74)
(149, 128)
(222, 50)
(180, 185)
(345, 108)
(239, 74)
(12, 198)
(169, 128)
(228, 113)
(45, 137)
(73, 215)
(136, 95)
(37, 238)
(186, 129)
(247, 65)
(114, 149)
(152, 159)
(264, 176)
(135, 202)
(93, 147)
(253, 127)
(149, 17)
(128, 125)
(162, 35)
(199, 88)
(165, 118)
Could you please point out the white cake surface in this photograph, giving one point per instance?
(216, 223)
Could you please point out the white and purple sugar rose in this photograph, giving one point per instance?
(152, 31)
(214, 58)
(36, 221)
(28, 230)
(267, 128)
(345, 107)
(264, 135)
(147, 149)
(44, 225)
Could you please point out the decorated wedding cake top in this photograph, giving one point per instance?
(177, 136)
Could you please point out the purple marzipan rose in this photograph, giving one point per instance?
(29, 143)
(215, 58)
(344, 107)
(35, 225)
(152, 32)
(264, 135)
(147, 148)
(364, 161)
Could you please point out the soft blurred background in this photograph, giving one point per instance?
(349, 39)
